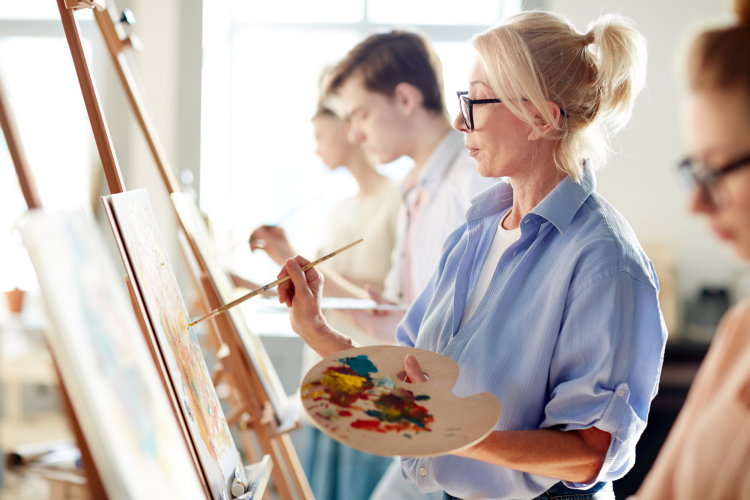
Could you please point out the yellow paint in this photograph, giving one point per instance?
(343, 383)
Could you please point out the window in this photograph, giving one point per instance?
(262, 63)
(46, 101)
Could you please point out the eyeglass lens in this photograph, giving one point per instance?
(698, 177)
(465, 111)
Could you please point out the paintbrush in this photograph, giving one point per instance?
(270, 285)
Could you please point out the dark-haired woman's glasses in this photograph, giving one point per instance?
(467, 107)
(698, 175)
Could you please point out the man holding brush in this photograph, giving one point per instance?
(392, 87)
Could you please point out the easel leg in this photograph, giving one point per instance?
(92, 476)
(291, 459)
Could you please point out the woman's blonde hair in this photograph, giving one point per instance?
(594, 78)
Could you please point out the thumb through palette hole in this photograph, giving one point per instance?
(403, 378)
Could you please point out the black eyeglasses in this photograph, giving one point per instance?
(467, 107)
(706, 178)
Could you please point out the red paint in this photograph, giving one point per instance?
(345, 413)
(368, 425)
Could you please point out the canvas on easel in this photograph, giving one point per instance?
(197, 233)
(120, 45)
(256, 408)
(150, 271)
(108, 372)
(78, 322)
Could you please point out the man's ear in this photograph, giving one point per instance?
(408, 98)
(541, 128)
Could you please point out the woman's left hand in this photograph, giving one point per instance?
(414, 373)
(535, 451)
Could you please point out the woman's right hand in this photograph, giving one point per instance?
(273, 240)
(302, 294)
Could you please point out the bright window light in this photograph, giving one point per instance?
(434, 12)
(55, 133)
(35, 10)
(457, 59)
(298, 11)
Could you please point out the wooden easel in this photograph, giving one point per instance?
(253, 406)
(33, 201)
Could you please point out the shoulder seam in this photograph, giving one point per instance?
(594, 280)
(605, 222)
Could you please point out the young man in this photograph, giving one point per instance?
(392, 87)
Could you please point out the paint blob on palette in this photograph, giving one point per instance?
(357, 398)
(350, 388)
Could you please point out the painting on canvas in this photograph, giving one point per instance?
(179, 345)
(195, 226)
(116, 392)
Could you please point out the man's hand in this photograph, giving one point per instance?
(273, 240)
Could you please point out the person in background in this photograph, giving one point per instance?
(707, 453)
(392, 86)
(335, 471)
(544, 296)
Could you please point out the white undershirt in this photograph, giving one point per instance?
(503, 239)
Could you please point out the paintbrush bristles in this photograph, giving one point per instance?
(270, 285)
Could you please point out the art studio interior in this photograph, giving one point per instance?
(374, 249)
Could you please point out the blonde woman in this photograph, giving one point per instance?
(707, 453)
(544, 296)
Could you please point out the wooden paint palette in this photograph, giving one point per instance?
(357, 398)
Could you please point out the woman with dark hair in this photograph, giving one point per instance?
(707, 453)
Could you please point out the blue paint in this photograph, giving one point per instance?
(360, 364)
(422, 397)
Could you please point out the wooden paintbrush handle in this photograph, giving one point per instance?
(262, 289)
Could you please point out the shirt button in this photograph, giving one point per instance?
(423, 471)
(620, 393)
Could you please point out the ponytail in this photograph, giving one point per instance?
(620, 51)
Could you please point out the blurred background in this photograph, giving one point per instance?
(232, 85)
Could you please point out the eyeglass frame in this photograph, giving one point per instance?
(707, 179)
(464, 96)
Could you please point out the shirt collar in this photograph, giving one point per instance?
(558, 207)
(437, 164)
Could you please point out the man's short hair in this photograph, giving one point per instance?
(387, 59)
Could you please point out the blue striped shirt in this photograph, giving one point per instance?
(568, 336)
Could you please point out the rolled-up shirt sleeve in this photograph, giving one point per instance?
(606, 365)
